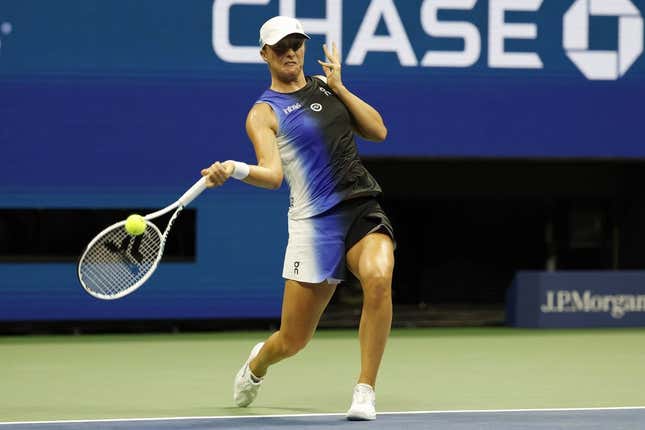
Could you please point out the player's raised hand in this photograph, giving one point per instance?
(332, 67)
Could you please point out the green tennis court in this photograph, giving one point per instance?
(129, 376)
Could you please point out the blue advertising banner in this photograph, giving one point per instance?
(577, 299)
(453, 78)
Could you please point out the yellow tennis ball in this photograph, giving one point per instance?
(135, 225)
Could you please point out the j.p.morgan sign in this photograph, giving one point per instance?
(574, 301)
(577, 299)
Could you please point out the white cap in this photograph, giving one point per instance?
(279, 27)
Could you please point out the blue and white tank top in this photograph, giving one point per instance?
(319, 156)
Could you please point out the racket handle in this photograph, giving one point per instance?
(193, 192)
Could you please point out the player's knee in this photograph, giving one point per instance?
(377, 288)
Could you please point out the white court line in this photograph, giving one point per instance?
(228, 417)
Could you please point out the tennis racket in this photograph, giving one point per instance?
(115, 263)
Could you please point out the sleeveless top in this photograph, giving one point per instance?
(319, 156)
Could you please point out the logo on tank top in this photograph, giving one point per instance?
(324, 91)
(296, 265)
(291, 108)
(316, 107)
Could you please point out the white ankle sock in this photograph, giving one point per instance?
(254, 378)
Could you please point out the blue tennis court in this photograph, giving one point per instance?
(627, 418)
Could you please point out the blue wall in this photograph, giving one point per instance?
(240, 235)
(98, 97)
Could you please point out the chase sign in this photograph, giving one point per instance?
(452, 78)
(383, 30)
(597, 65)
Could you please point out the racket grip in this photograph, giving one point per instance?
(193, 192)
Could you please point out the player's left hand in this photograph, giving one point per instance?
(332, 67)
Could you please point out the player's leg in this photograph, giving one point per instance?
(315, 251)
(372, 262)
(302, 307)
(371, 259)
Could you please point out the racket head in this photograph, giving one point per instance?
(115, 263)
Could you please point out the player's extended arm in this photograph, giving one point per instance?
(262, 127)
(368, 122)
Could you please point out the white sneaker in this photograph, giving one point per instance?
(245, 389)
(363, 404)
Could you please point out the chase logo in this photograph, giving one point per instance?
(603, 65)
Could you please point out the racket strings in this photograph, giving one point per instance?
(117, 261)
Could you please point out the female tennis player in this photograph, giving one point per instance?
(302, 128)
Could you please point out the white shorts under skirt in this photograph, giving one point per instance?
(317, 245)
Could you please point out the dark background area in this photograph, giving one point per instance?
(463, 229)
